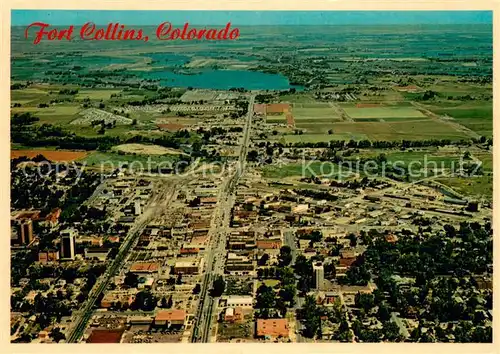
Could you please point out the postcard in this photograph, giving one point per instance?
(311, 177)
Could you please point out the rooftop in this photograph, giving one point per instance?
(170, 315)
(276, 327)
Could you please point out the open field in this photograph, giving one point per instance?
(54, 114)
(477, 187)
(315, 115)
(316, 127)
(383, 112)
(315, 138)
(276, 119)
(416, 130)
(477, 116)
(389, 131)
(424, 159)
(142, 149)
(96, 94)
(487, 160)
(52, 155)
(306, 169)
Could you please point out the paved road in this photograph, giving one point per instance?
(289, 238)
(215, 256)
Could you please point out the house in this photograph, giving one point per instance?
(272, 328)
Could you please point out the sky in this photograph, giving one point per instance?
(245, 18)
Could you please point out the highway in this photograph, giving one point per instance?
(216, 254)
(142, 221)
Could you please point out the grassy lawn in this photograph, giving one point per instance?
(270, 282)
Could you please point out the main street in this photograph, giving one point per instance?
(215, 254)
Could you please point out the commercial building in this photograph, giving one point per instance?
(233, 314)
(170, 319)
(234, 301)
(272, 328)
(144, 267)
(188, 267)
(68, 244)
(48, 256)
(319, 275)
(240, 263)
(22, 231)
(98, 253)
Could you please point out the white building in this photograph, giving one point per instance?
(319, 275)
(243, 301)
(137, 207)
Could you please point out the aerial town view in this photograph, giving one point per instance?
(324, 177)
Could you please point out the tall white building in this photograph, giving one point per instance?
(68, 244)
(137, 207)
(319, 275)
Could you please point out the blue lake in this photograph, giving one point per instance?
(223, 80)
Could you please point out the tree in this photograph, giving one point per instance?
(145, 301)
(131, 280)
(253, 156)
(353, 240)
(288, 293)
(383, 312)
(285, 256)
(310, 318)
(263, 260)
(265, 298)
(218, 287)
(364, 301)
(196, 289)
(391, 332)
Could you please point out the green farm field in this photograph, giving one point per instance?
(401, 130)
(384, 112)
(477, 116)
